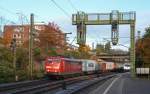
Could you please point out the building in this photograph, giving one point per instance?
(21, 33)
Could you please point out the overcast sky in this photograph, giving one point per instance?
(46, 10)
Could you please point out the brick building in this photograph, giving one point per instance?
(21, 33)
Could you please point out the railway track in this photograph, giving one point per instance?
(38, 86)
(79, 87)
(7, 88)
(42, 86)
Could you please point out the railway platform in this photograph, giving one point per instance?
(123, 84)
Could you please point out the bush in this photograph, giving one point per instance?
(6, 72)
(22, 59)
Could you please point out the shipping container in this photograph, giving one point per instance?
(110, 65)
(90, 66)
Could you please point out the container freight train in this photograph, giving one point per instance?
(58, 67)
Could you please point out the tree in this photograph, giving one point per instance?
(48, 41)
(1, 40)
(143, 50)
(22, 59)
(100, 49)
(51, 38)
(80, 53)
(147, 33)
(6, 65)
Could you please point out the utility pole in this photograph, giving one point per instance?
(31, 46)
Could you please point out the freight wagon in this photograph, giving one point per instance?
(90, 66)
(108, 66)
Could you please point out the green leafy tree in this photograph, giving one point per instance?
(6, 64)
(6, 67)
(147, 33)
(22, 58)
(100, 49)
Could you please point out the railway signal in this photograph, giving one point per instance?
(13, 48)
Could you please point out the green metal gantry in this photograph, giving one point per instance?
(115, 18)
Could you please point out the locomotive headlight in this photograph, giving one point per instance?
(48, 67)
(56, 67)
(55, 70)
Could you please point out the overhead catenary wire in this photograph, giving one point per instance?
(73, 40)
(10, 12)
(72, 5)
(42, 18)
(58, 6)
(13, 13)
(5, 21)
(71, 44)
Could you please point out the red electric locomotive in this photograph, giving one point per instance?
(58, 67)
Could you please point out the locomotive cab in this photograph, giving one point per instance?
(52, 66)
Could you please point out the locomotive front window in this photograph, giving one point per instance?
(49, 60)
(127, 65)
(90, 65)
(56, 60)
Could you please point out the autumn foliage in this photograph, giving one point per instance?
(50, 39)
(143, 50)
